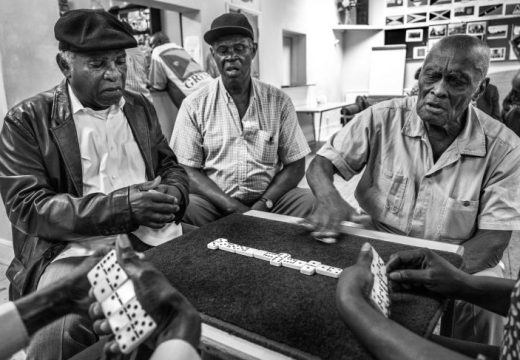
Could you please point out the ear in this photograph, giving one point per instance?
(480, 89)
(63, 65)
(254, 49)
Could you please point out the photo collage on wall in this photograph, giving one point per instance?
(421, 25)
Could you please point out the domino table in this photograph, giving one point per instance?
(254, 310)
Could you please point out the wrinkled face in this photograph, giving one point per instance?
(448, 81)
(98, 78)
(233, 55)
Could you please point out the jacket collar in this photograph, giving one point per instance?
(66, 137)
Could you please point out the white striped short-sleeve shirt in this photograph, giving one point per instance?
(240, 156)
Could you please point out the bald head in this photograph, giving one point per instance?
(470, 47)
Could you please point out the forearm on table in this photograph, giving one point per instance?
(484, 250)
(386, 339)
(285, 180)
(320, 177)
(201, 184)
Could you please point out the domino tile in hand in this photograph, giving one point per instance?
(118, 299)
(135, 333)
(106, 277)
(379, 294)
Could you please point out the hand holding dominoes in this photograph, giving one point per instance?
(365, 280)
(134, 299)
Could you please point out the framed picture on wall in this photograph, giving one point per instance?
(515, 46)
(476, 28)
(497, 31)
(513, 9)
(515, 31)
(419, 52)
(498, 53)
(395, 20)
(436, 31)
(464, 11)
(393, 3)
(414, 35)
(247, 4)
(458, 28)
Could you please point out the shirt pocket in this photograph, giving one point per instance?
(458, 219)
(394, 190)
(265, 147)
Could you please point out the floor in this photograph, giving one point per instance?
(511, 258)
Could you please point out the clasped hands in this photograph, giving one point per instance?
(154, 204)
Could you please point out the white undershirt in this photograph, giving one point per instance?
(110, 160)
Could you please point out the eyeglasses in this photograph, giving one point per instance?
(239, 49)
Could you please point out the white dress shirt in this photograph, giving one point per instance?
(110, 160)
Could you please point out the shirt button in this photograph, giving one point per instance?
(465, 203)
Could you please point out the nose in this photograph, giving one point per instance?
(439, 89)
(112, 73)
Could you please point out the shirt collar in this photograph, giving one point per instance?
(228, 97)
(77, 106)
(470, 141)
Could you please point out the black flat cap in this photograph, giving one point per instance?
(85, 30)
(229, 24)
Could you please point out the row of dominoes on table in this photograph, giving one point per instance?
(378, 296)
(277, 259)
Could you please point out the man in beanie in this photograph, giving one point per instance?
(238, 138)
(81, 165)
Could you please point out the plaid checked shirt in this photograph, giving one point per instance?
(240, 156)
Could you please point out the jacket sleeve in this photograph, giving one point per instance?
(33, 202)
(167, 165)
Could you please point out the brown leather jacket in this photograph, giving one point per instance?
(41, 181)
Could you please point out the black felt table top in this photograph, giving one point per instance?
(287, 309)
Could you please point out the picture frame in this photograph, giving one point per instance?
(247, 4)
(414, 35)
(437, 31)
(464, 11)
(498, 54)
(515, 31)
(419, 52)
(515, 46)
(394, 3)
(476, 28)
(456, 28)
(497, 31)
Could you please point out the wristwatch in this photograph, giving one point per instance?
(268, 203)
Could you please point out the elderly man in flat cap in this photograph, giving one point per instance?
(239, 138)
(83, 164)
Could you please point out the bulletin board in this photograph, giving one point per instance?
(419, 24)
(382, 81)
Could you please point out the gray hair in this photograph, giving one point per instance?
(67, 56)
